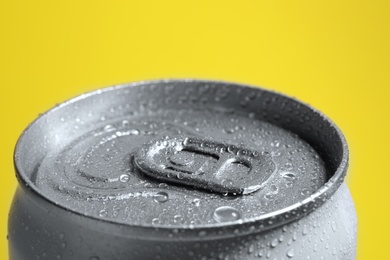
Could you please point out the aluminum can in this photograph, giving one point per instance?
(182, 169)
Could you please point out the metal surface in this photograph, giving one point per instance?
(164, 164)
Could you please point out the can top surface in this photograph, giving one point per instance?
(183, 154)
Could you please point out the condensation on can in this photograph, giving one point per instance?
(182, 169)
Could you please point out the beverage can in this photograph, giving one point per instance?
(182, 169)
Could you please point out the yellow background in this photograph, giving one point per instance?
(332, 54)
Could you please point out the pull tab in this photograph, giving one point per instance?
(205, 164)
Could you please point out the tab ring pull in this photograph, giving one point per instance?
(205, 164)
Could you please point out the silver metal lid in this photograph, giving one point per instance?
(184, 155)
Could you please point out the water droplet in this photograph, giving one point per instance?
(178, 219)
(94, 258)
(161, 197)
(288, 166)
(289, 176)
(242, 152)
(274, 188)
(124, 178)
(103, 213)
(134, 132)
(163, 185)
(304, 231)
(227, 183)
(148, 185)
(226, 213)
(334, 226)
(196, 202)
(228, 131)
(290, 253)
(305, 192)
(274, 242)
(109, 128)
(232, 149)
(156, 221)
(251, 249)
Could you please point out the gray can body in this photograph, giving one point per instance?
(182, 169)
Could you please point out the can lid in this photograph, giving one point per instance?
(184, 155)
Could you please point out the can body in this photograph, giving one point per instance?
(319, 224)
(38, 230)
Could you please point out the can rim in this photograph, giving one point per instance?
(247, 226)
